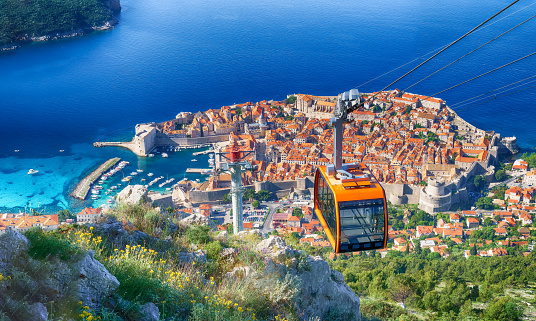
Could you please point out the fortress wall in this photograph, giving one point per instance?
(275, 186)
(164, 140)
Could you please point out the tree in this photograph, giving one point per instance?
(64, 215)
(263, 195)
(487, 221)
(479, 182)
(255, 204)
(503, 309)
(227, 198)
(297, 212)
(249, 194)
(376, 109)
(289, 117)
(500, 175)
(408, 109)
(485, 203)
(291, 99)
(473, 250)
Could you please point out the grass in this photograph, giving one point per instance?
(151, 272)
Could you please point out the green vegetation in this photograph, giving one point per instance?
(152, 272)
(531, 159)
(65, 215)
(500, 175)
(479, 182)
(43, 17)
(408, 109)
(438, 289)
(255, 204)
(297, 212)
(291, 99)
(485, 203)
(376, 109)
(289, 117)
(416, 217)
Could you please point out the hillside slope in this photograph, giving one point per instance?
(176, 271)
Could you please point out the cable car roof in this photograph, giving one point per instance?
(364, 187)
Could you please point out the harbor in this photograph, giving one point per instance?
(82, 189)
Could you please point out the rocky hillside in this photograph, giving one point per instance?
(135, 265)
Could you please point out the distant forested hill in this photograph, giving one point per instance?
(20, 19)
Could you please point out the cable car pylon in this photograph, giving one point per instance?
(236, 166)
(349, 201)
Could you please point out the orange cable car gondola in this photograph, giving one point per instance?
(352, 211)
(349, 202)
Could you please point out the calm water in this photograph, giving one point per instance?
(170, 56)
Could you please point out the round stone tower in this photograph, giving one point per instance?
(435, 197)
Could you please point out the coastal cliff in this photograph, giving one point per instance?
(42, 20)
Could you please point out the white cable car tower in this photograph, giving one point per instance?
(236, 166)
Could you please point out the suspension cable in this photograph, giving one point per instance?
(435, 55)
(464, 102)
(495, 97)
(502, 34)
(488, 72)
(488, 25)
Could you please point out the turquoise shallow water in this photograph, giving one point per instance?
(170, 56)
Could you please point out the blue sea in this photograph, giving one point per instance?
(167, 56)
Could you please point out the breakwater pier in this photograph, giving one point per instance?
(199, 170)
(82, 188)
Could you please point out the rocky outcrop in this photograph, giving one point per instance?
(81, 277)
(132, 194)
(197, 219)
(317, 290)
(13, 246)
(94, 281)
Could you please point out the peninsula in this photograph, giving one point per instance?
(43, 20)
(419, 148)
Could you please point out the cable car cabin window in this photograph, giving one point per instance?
(362, 224)
(326, 205)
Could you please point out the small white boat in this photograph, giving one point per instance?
(150, 174)
(62, 150)
(139, 170)
(32, 171)
(110, 201)
(151, 155)
(165, 155)
(194, 160)
(17, 150)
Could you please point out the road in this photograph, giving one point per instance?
(267, 227)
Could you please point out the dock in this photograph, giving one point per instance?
(208, 151)
(199, 170)
(83, 187)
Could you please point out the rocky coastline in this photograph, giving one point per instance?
(113, 5)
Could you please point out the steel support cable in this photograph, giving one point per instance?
(489, 92)
(488, 72)
(436, 54)
(494, 22)
(495, 95)
(467, 54)
(508, 94)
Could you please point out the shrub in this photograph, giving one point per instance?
(44, 244)
(198, 234)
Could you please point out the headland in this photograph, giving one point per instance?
(416, 146)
